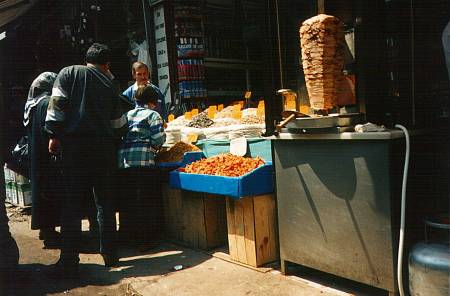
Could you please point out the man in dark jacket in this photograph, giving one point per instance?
(84, 117)
(9, 253)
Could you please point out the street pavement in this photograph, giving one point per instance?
(169, 269)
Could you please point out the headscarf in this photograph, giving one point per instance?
(39, 89)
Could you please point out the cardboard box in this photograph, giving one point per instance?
(23, 194)
(9, 174)
(11, 192)
(20, 179)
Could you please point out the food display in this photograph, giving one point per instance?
(225, 121)
(227, 124)
(176, 152)
(201, 121)
(179, 121)
(252, 119)
(322, 45)
(224, 165)
(227, 112)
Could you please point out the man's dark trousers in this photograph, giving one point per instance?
(87, 164)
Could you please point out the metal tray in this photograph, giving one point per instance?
(312, 122)
(349, 119)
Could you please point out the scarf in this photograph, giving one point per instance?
(39, 89)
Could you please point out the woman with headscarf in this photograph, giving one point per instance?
(44, 213)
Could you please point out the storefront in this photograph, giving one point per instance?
(337, 191)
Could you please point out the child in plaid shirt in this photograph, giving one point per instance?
(141, 208)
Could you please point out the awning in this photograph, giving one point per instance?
(12, 9)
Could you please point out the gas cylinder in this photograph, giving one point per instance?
(429, 261)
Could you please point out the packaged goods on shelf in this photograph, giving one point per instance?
(190, 69)
(192, 89)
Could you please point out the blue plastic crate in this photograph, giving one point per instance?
(188, 157)
(256, 182)
(256, 147)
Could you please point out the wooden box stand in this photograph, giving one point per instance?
(252, 231)
(194, 219)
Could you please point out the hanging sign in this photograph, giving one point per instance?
(162, 58)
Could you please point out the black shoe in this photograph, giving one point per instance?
(110, 260)
(51, 239)
(49, 234)
(61, 270)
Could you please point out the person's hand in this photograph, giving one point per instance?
(54, 146)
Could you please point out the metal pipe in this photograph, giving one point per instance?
(279, 45)
(413, 86)
(320, 6)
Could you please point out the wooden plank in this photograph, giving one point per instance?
(199, 220)
(172, 202)
(231, 229)
(240, 232)
(177, 204)
(222, 221)
(215, 223)
(265, 229)
(249, 231)
(193, 219)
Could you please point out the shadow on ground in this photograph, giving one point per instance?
(32, 277)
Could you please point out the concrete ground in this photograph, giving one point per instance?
(153, 273)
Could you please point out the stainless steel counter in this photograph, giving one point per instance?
(386, 135)
(338, 198)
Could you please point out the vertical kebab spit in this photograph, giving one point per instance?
(322, 44)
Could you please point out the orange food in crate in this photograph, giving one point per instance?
(224, 165)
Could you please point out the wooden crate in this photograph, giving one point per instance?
(252, 231)
(194, 219)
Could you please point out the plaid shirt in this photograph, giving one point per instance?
(145, 135)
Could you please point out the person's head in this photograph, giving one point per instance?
(146, 95)
(42, 85)
(40, 88)
(140, 73)
(99, 55)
